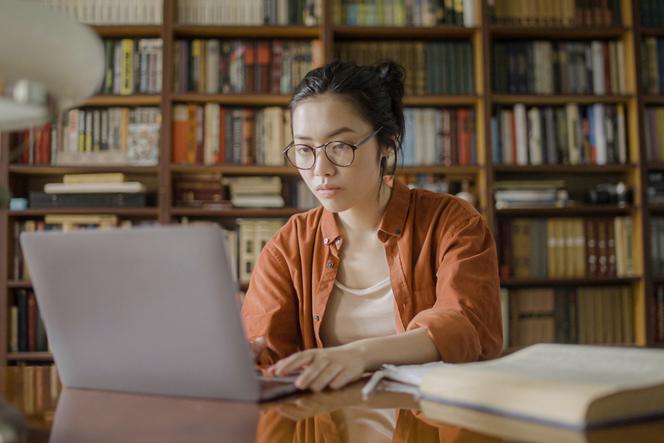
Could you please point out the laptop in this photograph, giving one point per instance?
(147, 310)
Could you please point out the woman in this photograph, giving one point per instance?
(379, 273)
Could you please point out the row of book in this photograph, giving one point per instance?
(572, 134)
(652, 64)
(439, 136)
(432, 67)
(212, 191)
(529, 193)
(91, 136)
(33, 390)
(57, 222)
(117, 12)
(133, 66)
(559, 67)
(26, 328)
(659, 312)
(657, 244)
(249, 12)
(240, 66)
(213, 134)
(656, 187)
(252, 236)
(405, 13)
(556, 12)
(566, 247)
(600, 315)
(654, 132)
(652, 12)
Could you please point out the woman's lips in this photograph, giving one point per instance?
(328, 191)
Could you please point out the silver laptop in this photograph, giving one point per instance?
(147, 309)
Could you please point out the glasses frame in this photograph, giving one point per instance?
(324, 146)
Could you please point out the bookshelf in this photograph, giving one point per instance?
(482, 100)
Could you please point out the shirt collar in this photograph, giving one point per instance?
(392, 223)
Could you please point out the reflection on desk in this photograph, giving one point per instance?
(332, 416)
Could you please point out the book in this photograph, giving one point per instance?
(570, 386)
(90, 188)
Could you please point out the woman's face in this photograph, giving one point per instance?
(328, 117)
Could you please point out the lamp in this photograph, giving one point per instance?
(49, 61)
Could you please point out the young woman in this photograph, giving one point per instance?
(379, 273)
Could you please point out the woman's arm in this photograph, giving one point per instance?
(340, 365)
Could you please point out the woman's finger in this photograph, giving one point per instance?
(342, 379)
(311, 372)
(325, 377)
(290, 364)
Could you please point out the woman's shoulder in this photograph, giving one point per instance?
(298, 228)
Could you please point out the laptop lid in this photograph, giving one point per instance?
(145, 309)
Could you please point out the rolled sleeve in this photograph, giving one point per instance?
(465, 322)
(270, 307)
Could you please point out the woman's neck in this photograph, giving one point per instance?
(365, 218)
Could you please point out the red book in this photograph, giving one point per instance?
(250, 69)
(263, 68)
(180, 129)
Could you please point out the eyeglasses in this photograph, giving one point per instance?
(339, 153)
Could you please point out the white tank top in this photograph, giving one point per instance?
(353, 314)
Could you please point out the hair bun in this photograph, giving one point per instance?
(393, 76)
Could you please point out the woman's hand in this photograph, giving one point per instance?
(327, 367)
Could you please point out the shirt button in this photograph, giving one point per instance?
(326, 241)
(316, 317)
(330, 264)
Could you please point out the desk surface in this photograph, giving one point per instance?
(74, 415)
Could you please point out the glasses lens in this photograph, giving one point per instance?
(340, 153)
(301, 156)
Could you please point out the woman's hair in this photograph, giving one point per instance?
(376, 92)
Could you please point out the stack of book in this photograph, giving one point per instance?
(201, 191)
(405, 13)
(249, 12)
(91, 190)
(256, 192)
(525, 194)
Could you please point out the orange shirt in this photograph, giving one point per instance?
(443, 271)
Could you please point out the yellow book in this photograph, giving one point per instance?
(103, 177)
(127, 67)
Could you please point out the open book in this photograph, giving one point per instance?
(574, 386)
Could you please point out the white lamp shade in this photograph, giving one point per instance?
(47, 47)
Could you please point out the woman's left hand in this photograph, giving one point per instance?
(320, 368)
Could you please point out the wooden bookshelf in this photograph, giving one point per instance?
(32, 357)
(482, 101)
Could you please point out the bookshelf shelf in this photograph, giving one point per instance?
(235, 169)
(234, 99)
(539, 100)
(658, 278)
(655, 166)
(30, 356)
(122, 31)
(126, 212)
(19, 284)
(652, 32)
(656, 208)
(198, 31)
(440, 100)
(123, 100)
(653, 99)
(567, 211)
(235, 212)
(403, 32)
(564, 169)
(589, 281)
(548, 32)
(60, 170)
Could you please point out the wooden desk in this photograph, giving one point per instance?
(74, 415)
